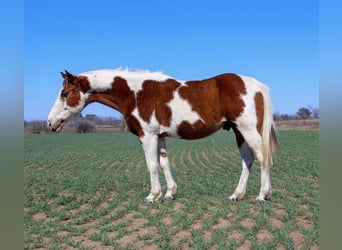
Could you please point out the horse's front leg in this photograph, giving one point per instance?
(165, 166)
(150, 146)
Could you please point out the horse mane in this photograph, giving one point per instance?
(128, 73)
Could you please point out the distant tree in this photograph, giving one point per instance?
(314, 112)
(94, 118)
(276, 116)
(285, 117)
(38, 127)
(84, 126)
(304, 113)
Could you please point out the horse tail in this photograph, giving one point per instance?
(268, 130)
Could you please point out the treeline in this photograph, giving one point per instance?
(79, 124)
(303, 113)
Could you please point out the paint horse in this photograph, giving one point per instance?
(155, 106)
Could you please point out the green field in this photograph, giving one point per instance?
(86, 191)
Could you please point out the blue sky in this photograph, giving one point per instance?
(273, 41)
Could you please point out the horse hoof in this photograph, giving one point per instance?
(262, 199)
(168, 199)
(148, 201)
(233, 200)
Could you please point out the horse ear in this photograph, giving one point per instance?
(67, 72)
(68, 76)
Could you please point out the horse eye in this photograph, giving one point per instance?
(64, 94)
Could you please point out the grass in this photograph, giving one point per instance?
(86, 191)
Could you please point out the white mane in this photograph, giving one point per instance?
(102, 80)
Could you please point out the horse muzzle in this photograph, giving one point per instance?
(56, 126)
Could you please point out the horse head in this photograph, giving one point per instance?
(70, 101)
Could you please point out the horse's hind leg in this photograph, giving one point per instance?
(165, 166)
(254, 140)
(247, 157)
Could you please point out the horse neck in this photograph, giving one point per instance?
(120, 97)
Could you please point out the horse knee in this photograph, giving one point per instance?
(163, 153)
(163, 158)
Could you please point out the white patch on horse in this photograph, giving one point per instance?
(152, 127)
(181, 111)
(101, 80)
(58, 106)
(248, 116)
(135, 79)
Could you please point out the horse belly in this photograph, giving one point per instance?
(197, 130)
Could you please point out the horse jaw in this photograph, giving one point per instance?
(58, 126)
(56, 119)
